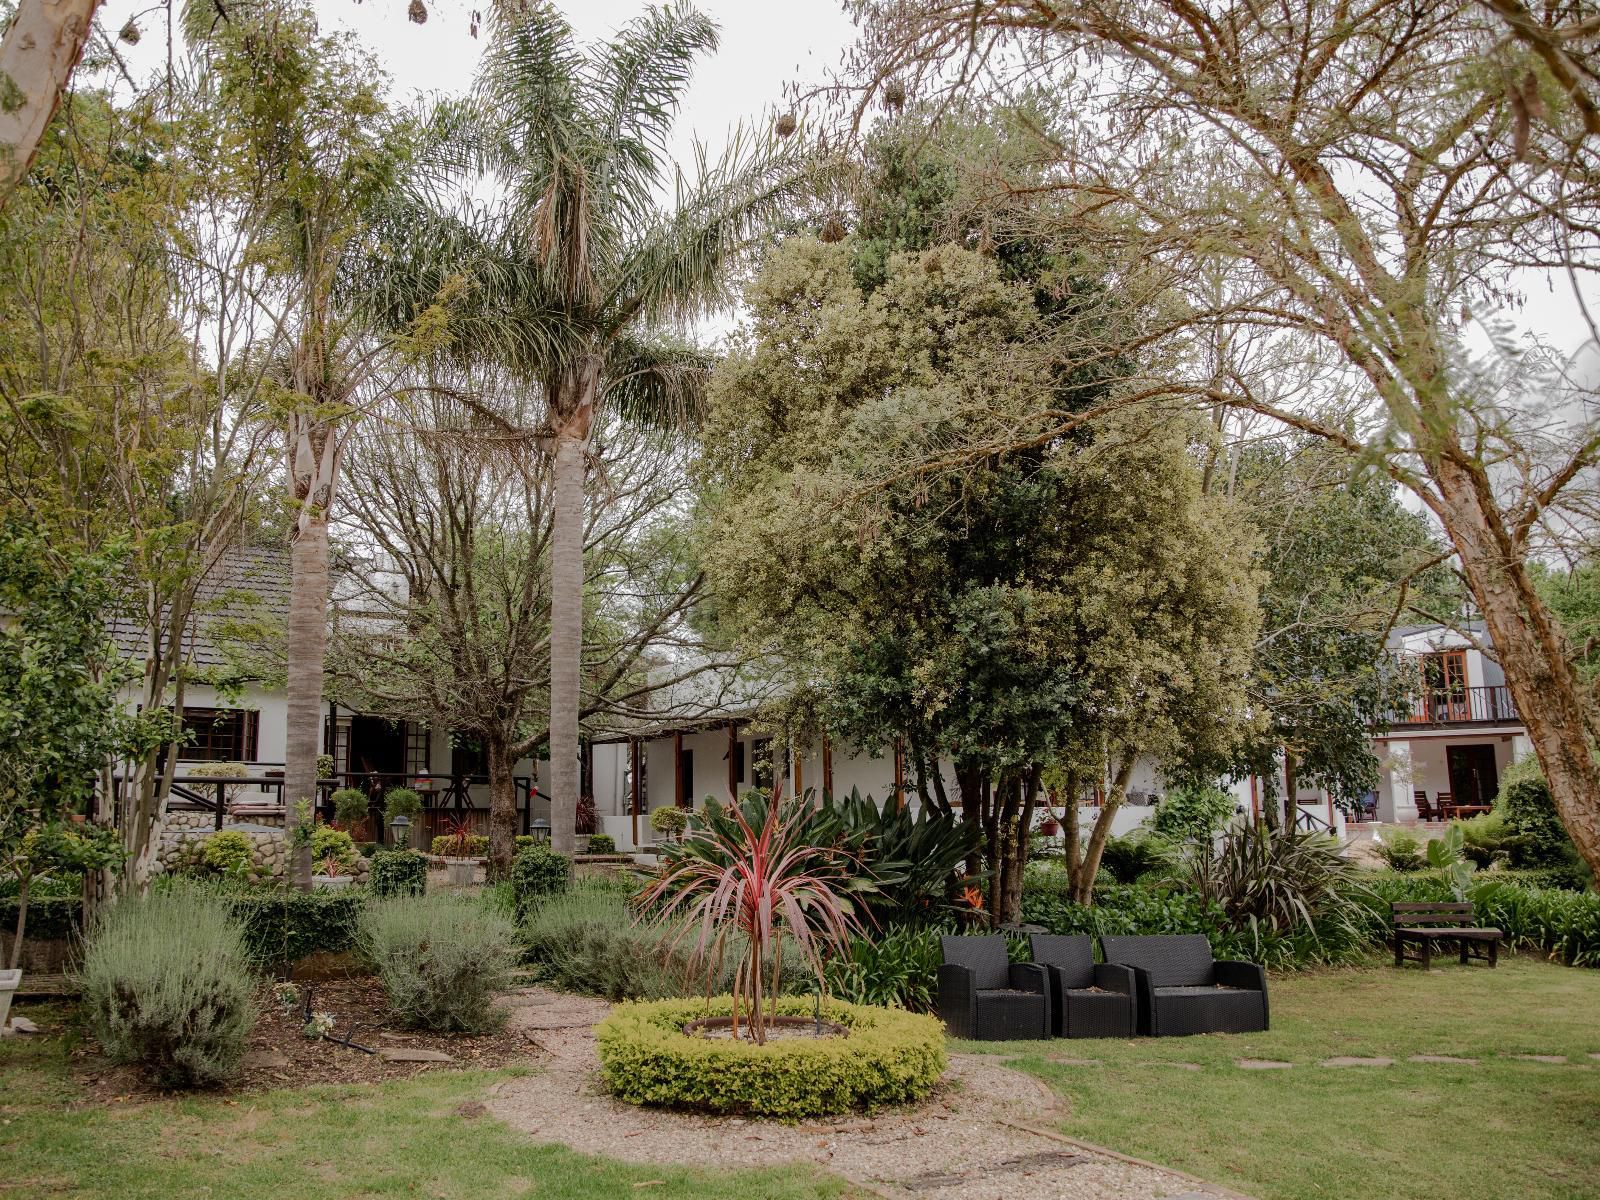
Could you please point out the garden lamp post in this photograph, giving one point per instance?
(540, 828)
(400, 831)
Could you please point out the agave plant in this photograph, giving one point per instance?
(771, 879)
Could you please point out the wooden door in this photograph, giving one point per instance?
(1445, 677)
(1473, 777)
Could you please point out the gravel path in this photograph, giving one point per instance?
(967, 1141)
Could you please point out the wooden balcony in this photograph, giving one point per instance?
(1460, 706)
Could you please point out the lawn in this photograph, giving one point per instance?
(323, 1143)
(1502, 1128)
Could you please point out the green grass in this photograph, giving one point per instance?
(321, 1143)
(1501, 1129)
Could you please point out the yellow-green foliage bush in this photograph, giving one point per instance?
(888, 1057)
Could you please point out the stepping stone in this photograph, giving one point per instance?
(412, 1054)
(1594, 1055)
(1443, 1058)
(1555, 1059)
(1262, 1064)
(23, 1025)
(265, 1060)
(1345, 1060)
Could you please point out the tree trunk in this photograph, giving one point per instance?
(40, 50)
(22, 921)
(566, 601)
(502, 807)
(1072, 836)
(307, 646)
(1102, 829)
(1532, 651)
(1291, 791)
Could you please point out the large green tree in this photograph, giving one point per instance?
(1084, 602)
(571, 272)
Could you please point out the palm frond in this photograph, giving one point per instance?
(658, 384)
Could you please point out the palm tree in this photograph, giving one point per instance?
(570, 276)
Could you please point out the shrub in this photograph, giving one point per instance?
(588, 940)
(899, 968)
(1284, 879)
(585, 819)
(669, 821)
(519, 843)
(228, 853)
(328, 842)
(536, 873)
(324, 766)
(398, 873)
(350, 805)
(888, 1058)
(444, 846)
(1537, 837)
(602, 843)
(1192, 814)
(401, 802)
(1485, 838)
(1400, 849)
(49, 917)
(166, 983)
(282, 925)
(913, 858)
(1138, 854)
(442, 960)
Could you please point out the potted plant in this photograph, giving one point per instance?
(669, 822)
(584, 823)
(10, 981)
(328, 876)
(460, 867)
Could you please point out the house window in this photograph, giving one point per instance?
(1444, 680)
(220, 734)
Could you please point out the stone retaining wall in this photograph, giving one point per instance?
(269, 847)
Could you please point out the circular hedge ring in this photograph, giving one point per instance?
(887, 1057)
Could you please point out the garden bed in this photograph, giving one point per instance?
(280, 1055)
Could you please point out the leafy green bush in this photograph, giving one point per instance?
(1537, 836)
(442, 960)
(1401, 850)
(1130, 858)
(398, 873)
(49, 917)
(899, 968)
(669, 820)
(889, 1057)
(350, 805)
(401, 802)
(166, 983)
(1562, 924)
(328, 842)
(228, 853)
(913, 858)
(536, 873)
(1286, 880)
(1572, 877)
(588, 940)
(282, 925)
(1485, 838)
(1192, 814)
(602, 843)
(444, 845)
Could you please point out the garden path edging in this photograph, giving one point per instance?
(981, 1122)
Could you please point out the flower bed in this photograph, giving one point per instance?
(886, 1057)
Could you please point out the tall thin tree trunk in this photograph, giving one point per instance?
(1102, 828)
(22, 921)
(1532, 651)
(1072, 835)
(42, 46)
(502, 807)
(1291, 791)
(307, 648)
(566, 613)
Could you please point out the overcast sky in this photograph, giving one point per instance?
(764, 46)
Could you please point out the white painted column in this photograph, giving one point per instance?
(1395, 799)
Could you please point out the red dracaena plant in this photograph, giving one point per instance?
(763, 873)
(459, 832)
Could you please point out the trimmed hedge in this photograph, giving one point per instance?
(444, 845)
(49, 917)
(538, 872)
(398, 873)
(602, 843)
(282, 926)
(888, 1057)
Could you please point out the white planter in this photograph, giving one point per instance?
(461, 872)
(10, 981)
(332, 883)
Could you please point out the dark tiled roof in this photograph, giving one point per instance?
(250, 584)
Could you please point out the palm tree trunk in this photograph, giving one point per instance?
(307, 647)
(502, 807)
(574, 397)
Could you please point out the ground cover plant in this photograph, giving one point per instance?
(1498, 1127)
(409, 1137)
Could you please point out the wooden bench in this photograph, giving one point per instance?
(1426, 924)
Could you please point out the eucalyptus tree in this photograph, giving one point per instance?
(42, 44)
(573, 268)
(1358, 188)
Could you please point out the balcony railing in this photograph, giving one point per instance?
(1459, 706)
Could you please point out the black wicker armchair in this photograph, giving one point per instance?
(983, 996)
(1087, 999)
(1182, 990)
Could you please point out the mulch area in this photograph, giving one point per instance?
(281, 1056)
